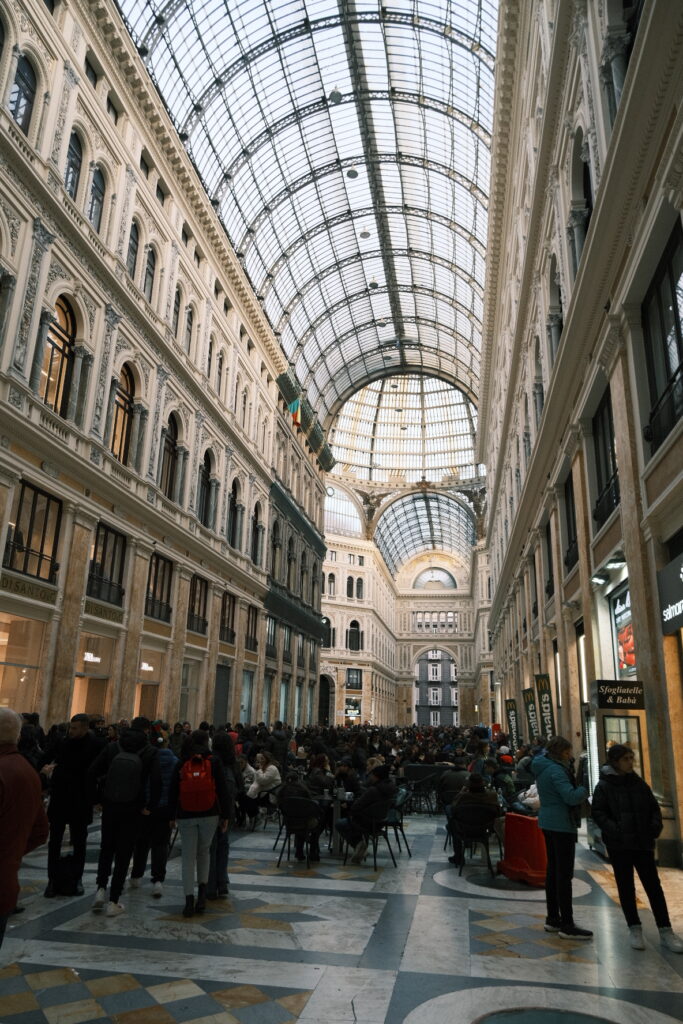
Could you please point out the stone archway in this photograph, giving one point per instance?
(326, 700)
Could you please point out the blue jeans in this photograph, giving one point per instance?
(195, 837)
(218, 863)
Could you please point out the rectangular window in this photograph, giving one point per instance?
(332, 555)
(352, 559)
(159, 582)
(434, 654)
(271, 636)
(606, 474)
(21, 644)
(196, 610)
(160, 194)
(112, 111)
(454, 696)
(265, 702)
(91, 73)
(144, 167)
(435, 671)
(227, 628)
(550, 581)
(361, 559)
(300, 651)
(434, 717)
(662, 314)
(33, 534)
(354, 679)
(287, 643)
(107, 562)
(434, 695)
(247, 695)
(571, 555)
(250, 641)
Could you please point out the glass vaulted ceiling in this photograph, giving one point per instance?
(347, 148)
(406, 429)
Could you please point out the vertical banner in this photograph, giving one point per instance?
(545, 706)
(529, 698)
(513, 723)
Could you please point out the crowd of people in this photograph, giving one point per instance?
(153, 782)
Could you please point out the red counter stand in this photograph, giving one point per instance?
(525, 858)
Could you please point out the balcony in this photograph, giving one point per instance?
(251, 643)
(608, 500)
(666, 413)
(287, 656)
(271, 651)
(29, 562)
(227, 635)
(571, 555)
(158, 609)
(197, 624)
(103, 589)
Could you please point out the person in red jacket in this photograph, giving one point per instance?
(23, 822)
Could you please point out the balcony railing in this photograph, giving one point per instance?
(197, 623)
(158, 609)
(227, 635)
(287, 656)
(103, 589)
(271, 651)
(29, 562)
(608, 500)
(251, 643)
(571, 555)
(666, 413)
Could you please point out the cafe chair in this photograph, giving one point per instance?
(395, 816)
(473, 825)
(300, 818)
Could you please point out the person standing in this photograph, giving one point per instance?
(201, 802)
(218, 882)
(628, 815)
(23, 822)
(67, 766)
(559, 818)
(155, 828)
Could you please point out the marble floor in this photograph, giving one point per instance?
(416, 943)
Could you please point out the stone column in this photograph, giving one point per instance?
(583, 538)
(134, 438)
(554, 333)
(160, 463)
(240, 527)
(136, 592)
(7, 481)
(86, 371)
(171, 699)
(8, 283)
(47, 319)
(154, 467)
(614, 67)
(110, 410)
(75, 386)
(207, 685)
(112, 320)
(213, 501)
(42, 240)
(181, 475)
(73, 573)
(644, 597)
(142, 432)
(69, 82)
(11, 74)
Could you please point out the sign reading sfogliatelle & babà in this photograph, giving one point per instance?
(619, 694)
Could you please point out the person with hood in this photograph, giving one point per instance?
(155, 828)
(125, 777)
(372, 805)
(559, 818)
(278, 746)
(628, 815)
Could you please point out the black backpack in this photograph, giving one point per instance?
(123, 784)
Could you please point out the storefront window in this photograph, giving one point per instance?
(150, 673)
(284, 700)
(21, 642)
(188, 690)
(247, 694)
(622, 630)
(93, 668)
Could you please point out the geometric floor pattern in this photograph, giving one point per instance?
(337, 944)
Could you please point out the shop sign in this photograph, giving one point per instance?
(513, 722)
(529, 698)
(613, 693)
(620, 605)
(101, 611)
(23, 587)
(670, 586)
(545, 706)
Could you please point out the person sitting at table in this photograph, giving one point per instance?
(346, 778)
(319, 776)
(452, 781)
(296, 788)
(476, 794)
(266, 778)
(372, 805)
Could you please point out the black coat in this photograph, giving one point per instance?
(69, 792)
(625, 809)
(373, 803)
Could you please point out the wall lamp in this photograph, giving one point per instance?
(600, 578)
(616, 561)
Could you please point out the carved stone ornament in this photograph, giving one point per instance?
(16, 398)
(13, 223)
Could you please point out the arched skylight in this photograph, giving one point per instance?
(346, 147)
(341, 515)
(424, 522)
(434, 578)
(405, 429)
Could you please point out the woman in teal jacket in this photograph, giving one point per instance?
(559, 818)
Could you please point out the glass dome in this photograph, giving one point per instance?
(424, 522)
(405, 429)
(341, 515)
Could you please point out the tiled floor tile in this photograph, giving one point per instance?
(111, 984)
(46, 979)
(146, 1015)
(173, 990)
(240, 995)
(19, 1003)
(74, 1013)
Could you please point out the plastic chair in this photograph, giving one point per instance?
(300, 818)
(472, 825)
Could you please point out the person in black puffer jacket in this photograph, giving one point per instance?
(628, 815)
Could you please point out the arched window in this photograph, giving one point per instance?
(291, 565)
(275, 551)
(150, 270)
(176, 313)
(256, 534)
(23, 95)
(55, 377)
(303, 578)
(203, 487)
(133, 244)
(209, 358)
(245, 404)
(123, 415)
(354, 636)
(74, 162)
(359, 588)
(322, 584)
(314, 584)
(169, 458)
(219, 373)
(233, 515)
(349, 586)
(97, 191)
(332, 585)
(189, 324)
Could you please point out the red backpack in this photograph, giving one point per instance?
(197, 787)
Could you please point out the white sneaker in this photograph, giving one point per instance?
(670, 940)
(134, 883)
(360, 849)
(157, 890)
(636, 935)
(100, 900)
(114, 909)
